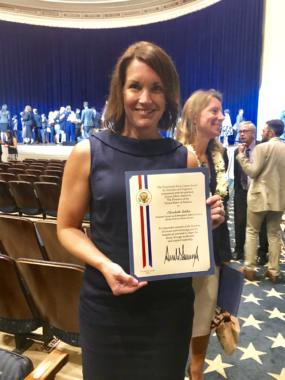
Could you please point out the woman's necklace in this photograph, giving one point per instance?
(219, 165)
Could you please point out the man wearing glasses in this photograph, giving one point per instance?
(241, 185)
(266, 196)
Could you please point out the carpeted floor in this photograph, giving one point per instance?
(261, 351)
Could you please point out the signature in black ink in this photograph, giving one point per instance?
(179, 254)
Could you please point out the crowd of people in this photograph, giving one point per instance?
(65, 125)
(59, 126)
(145, 328)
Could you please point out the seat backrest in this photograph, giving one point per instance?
(55, 290)
(25, 197)
(33, 171)
(15, 170)
(39, 167)
(57, 161)
(54, 172)
(48, 194)
(4, 166)
(8, 177)
(16, 310)
(50, 178)
(19, 164)
(55, 251)
(19, 238)
(55, 167)
(7, 201)
(41, 161)
(28, 177)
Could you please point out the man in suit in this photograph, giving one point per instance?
(241, 185)
(266, 197)
(37, 130)
(87, 120)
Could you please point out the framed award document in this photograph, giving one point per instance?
(169, 224)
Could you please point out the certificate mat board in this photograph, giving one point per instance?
(169, 224)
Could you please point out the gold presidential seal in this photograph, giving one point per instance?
(143, 197)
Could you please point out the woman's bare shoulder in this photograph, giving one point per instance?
(192, 160)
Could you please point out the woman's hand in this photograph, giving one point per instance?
(217, 210)
(119, 281)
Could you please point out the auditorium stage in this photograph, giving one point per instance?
(44, 151)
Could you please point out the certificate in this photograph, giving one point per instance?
(169, 224)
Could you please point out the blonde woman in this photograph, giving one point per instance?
(199, 128)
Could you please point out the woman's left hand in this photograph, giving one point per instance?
(217, 210)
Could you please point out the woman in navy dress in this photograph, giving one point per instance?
(128, 329)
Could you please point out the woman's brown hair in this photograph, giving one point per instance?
(156, 58)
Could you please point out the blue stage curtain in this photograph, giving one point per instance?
(217, 47)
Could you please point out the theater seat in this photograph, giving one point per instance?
(55, 167)
(19, 239)
(55, 251)
(25, 197)
(28, 177)
(50, 178)
(7, 201)
(8, 177)
(48, 194)
(37, 166)
(4, 166)
(14, 366)
(20, 165)
(17, 312)
(16, 171)
(34, 172)
(54, 172)
(55, 289)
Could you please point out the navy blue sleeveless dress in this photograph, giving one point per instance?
(144, 335)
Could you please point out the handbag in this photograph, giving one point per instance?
(227, 329)
(14, 366)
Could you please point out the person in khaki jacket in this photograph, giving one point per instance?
(266, 197)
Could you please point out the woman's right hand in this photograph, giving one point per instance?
(217, 210)
(119, 281)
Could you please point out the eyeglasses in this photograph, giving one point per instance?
(245, 131)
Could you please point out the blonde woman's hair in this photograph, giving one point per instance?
(188, 125)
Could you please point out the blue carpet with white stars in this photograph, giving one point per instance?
(260, 354)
